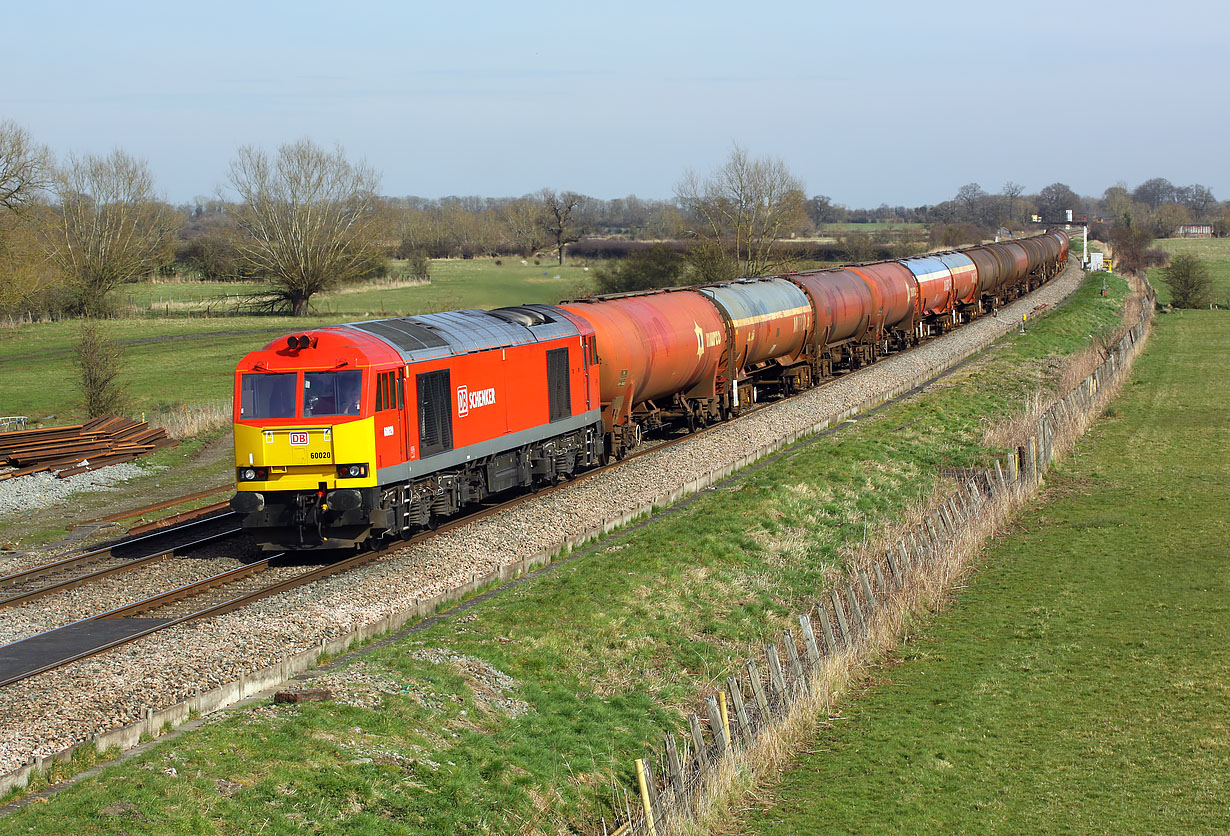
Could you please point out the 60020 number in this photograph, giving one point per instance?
(322, 455)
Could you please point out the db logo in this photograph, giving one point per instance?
(298, 439)
(467, 400)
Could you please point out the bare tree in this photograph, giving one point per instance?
(1054, 200)
(746, 205)
(969, 197)
(311, 219)
(109, 226)
(561, 218)
(25, 167)
(1011, 191)
(1154, 192)
(523, 218)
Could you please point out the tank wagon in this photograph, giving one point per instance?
(371, 430)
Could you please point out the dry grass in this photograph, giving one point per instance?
(188, 421)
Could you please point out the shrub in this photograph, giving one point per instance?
(1191, 285)
(657, 266)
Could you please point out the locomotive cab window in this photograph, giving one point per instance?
(267, 396)
(435, 413)
(332, 393)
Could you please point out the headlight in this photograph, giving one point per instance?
(253, 474)
(351, 471)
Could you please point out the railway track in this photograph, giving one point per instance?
(124, 556)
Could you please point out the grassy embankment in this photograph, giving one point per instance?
(1215, 252)
(1081, 684)
(517, 715)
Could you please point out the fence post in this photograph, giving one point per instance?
(736, 696)
(724, 709)
(842, 626)
(867, 591)
(775, 673)
(796, 666)
(809, 640)
(698, 740)
(893, 569)
(826, 629)
(715, 725)
(856, 609)
(879, 576)
(673, 765)
(642, 781)
(762, 702)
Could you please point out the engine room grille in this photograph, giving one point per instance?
(560, 404)
(435, 413)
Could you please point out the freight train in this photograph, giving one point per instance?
(372, 430)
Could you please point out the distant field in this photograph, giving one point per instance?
(1213, 251)
(1080, 684)
(176, 354)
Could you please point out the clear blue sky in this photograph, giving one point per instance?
(899, 103)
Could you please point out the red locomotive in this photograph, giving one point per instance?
(375, 429)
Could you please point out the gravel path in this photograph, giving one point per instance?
(42, 490)
(47, 713)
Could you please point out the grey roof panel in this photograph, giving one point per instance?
(429, 336)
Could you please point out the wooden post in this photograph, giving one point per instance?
(674, 767)
(698, 740)
(716, 727)
(842, 626)
(736, 697)
(894, 570)
(643, 784)
(725, 712)
(867, 591)
(809, 641)
(857, 611)
(826, 630)
(796, 666)
(762, 702)
(775, 673)
(879, 576)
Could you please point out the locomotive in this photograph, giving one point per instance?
(371, 430)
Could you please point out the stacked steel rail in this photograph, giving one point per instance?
(78, 448)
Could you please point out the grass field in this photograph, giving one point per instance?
(1215, 252)
(175, 354)
(1081, 684)
(518, 715)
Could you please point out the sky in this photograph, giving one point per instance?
(867, 102)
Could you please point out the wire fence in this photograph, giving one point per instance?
(674, 781)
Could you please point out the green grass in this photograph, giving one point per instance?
(182, 356)
(1215, 252)
(601, 655)
(1080, 686)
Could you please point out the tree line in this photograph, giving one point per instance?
(305, 219)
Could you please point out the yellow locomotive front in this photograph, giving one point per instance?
(305, 443)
